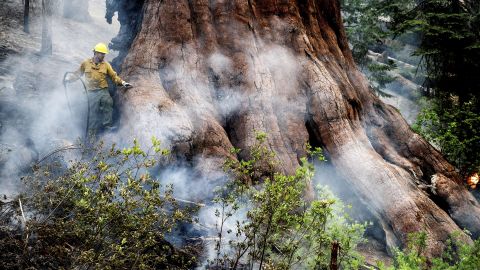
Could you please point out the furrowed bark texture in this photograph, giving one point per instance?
(208, 73)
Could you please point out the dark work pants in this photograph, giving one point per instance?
(101, 110)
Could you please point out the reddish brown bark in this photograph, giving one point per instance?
(179, 91)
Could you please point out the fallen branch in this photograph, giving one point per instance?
(23, 214)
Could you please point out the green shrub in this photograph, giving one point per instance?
(454, 130)
(280, 229)
(104, 211)
(457, 256)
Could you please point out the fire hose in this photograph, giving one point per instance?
(65, 87)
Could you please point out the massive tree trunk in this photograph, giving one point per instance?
(208, 74)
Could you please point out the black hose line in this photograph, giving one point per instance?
(65, 87)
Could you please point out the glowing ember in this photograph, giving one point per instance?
(472, 180)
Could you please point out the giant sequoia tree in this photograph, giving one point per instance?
(208, 73)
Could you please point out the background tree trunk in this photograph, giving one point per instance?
(26, 15)
(47, 47)
(207, 74)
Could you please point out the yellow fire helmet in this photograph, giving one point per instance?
(101, 48)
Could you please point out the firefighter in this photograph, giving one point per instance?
(96, 71)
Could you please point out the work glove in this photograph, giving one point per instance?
(126, 84)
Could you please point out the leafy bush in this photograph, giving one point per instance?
(280, 229)
(104, 211)
(458, 255)
(454, 130)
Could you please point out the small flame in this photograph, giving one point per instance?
(472, 180)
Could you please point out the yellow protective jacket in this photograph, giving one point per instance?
(96, 74)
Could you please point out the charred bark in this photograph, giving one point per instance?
(287, 66)
(334, 256)
(130, 17)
